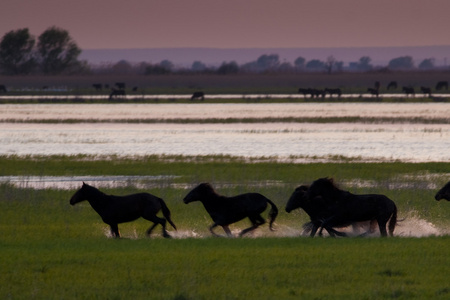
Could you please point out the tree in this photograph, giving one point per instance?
(403, 62)
(315, 64)
(268, 62)
(58, 52)
(364, 63)
(300, 62)
(16, 52)
(198, 66)
(228, 68)
(329, 64)
(427, 64)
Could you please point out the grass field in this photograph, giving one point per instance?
(51, 250)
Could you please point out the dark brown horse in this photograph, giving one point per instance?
(408, 91)
(392, 85)
(115, 93)
(443, 193)
(332, 92)
(198, 95)
(350, 208)
(120, 209)
(228, 210)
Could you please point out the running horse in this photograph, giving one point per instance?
(228, 210)
(350, 208)
(120, 209)
(443, 193)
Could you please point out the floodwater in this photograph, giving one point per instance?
(415, 142)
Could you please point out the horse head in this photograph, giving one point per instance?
(443, 193)
(324, 187)
(199, 193)
(297, 199)
(80, 195)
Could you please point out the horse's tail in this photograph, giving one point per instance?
(393, 221)
(273, 213)
(166, 212)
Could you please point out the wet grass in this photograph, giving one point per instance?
(51, 250)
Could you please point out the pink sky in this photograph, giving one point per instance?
(97, 24)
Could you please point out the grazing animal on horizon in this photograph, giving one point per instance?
(442, 84)
(304, 91)
(350, 208)
(225, 211)
(120, 209)
(392, 85)
(198, 95)
(443, 193)
(426, 90)
(115, 93)
(373, 92)
(332, 92)
(97, 86)
(408, 91)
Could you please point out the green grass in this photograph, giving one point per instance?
(51, 250)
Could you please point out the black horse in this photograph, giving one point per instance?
(373, 92)
(316, 208)
(228, 210)
(442, 84)
(332, 92)
(115, 93)
(426, 90)
(408, 91)
(121, 209)
(350, 208)
(443, 193)
(392, 85)
(198, 95)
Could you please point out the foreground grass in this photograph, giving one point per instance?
(51, 250)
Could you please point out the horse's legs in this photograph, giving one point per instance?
(214, 226)
(114, 230)
(256, 221)
(156, 220)
(227, 230)
(382, 227)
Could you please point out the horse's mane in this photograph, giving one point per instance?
(93, 190)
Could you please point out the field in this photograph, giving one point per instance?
(51, 250)
(241, 84)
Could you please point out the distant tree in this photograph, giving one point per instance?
(268, 62)
(329, 64)
(285, 67)
(156, 69)
(167, 64)
(198, 66)
(57, 51)
(299, 62)
(427, 64)
(228, 68)
(16, 52)
(399, 63)
(122, 67)
(364, 63)
(315, 65)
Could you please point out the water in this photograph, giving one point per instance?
(300, 142)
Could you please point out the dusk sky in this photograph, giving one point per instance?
(99, 24)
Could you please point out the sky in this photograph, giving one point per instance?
(118, 24)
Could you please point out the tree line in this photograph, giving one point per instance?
(55, 52)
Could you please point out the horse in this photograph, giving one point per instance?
(443, 193)
(426, 90)
(318, 211)
(315, 208)
(338, 92)
(350, 208)
(97, 86)
(120, 85)
(3, 88)
(120, 209)
(408, 91)
(115, 93)
(373, 91)
(316, 93)
(304, 91)
(392, 85)
(228, 210)
(442, 84)
(198, 95)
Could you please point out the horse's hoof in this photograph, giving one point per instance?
(167, 236)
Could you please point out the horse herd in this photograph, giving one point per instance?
(327, 205)
(374, 91)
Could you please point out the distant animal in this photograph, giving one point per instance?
(443, 193)
(3, 88)
(304, 91)
(317, 93)
(332, 92)
(97, 86)
(408, 91)
(392, 85)
(426, 90)
(225, 211)
(135, 89)
(198, 95)
(442, 84)
(120, 209)
(349, 208)
(115, 93)
(373, 91)
(377, 85)
(120, 85)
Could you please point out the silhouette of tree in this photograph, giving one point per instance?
(198, 66)
(299, 62)
(364, 63)
(58, 52)
(427, 64)
(315, 65)
(16, 52)
(228, 68)
(399, 63)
